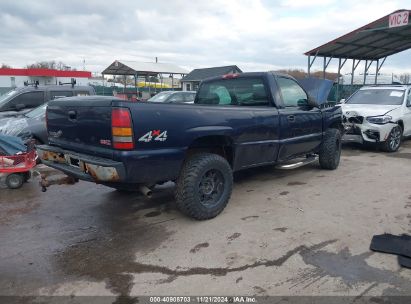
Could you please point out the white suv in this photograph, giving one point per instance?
(378, 114)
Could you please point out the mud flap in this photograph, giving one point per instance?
(404, 261)
(399, 245)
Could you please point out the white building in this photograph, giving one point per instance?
(10, 78)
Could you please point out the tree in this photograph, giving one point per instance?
(153, 79)
(405, 78)
(5, 66)
(299, 73)
(51, 64)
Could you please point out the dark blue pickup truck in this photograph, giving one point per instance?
(237, 121)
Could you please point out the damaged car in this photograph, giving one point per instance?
(28, 126)
(378, 115)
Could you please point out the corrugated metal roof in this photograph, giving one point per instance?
(124, 67)
(201, 74)
(369, 42)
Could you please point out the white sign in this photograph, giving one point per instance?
(398, 19)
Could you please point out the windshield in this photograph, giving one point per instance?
(37, 112)
(377, 97)
(5, 97)
(160, 97)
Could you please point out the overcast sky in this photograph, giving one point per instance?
(254, 34)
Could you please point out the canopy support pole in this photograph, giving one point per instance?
(172, 82)
(340, 66)
(136, 85)
(102, 75)
(310, 63)
(376, 71)
(378, 68)
(308, 66)
(366, 68)
(125, 83)
(354, 66)
(326, 63)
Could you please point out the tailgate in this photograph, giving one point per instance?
(81, 124)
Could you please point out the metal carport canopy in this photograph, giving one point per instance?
(386, 36)
(137, 69)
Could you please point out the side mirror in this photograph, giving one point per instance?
(312, 103)
(20, 106)
(302, 103)
(342, 100)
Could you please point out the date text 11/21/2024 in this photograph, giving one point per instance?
(203, 299)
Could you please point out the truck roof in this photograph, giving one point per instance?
(248, 74)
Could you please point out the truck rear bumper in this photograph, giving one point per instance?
(81, 166)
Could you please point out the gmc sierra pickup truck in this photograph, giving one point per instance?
(237, 121)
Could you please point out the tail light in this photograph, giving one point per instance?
(122, 129)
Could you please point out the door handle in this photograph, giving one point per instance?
(291, 118)
(72, 115)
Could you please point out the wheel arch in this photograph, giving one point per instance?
(219, 144)
(401, 124)
(336, 125)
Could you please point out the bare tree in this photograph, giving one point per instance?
(299, 73)
(49, 65)
(405, 78)
(5, 66)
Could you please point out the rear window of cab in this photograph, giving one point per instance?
(236, 92)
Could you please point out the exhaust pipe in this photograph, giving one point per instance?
(146, 191)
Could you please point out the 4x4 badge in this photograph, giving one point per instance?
(156, 135)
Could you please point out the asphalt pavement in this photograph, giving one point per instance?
(298, 232)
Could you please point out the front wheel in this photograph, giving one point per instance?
(204, 186)
(393, 141)
(14, 180)
(330, 151)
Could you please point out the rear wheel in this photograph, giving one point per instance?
(14, 181)
(330, 151)
(393, 141)
(204, 186)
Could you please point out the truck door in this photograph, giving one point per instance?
(258, 141)
(245, 105)
(300, 124)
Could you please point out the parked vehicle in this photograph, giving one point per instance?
(31, 125)
(21, 100)
(174, 97)
(379, 115)
(238, 121)
(16, 161)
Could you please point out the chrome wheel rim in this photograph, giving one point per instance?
(395, 138)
